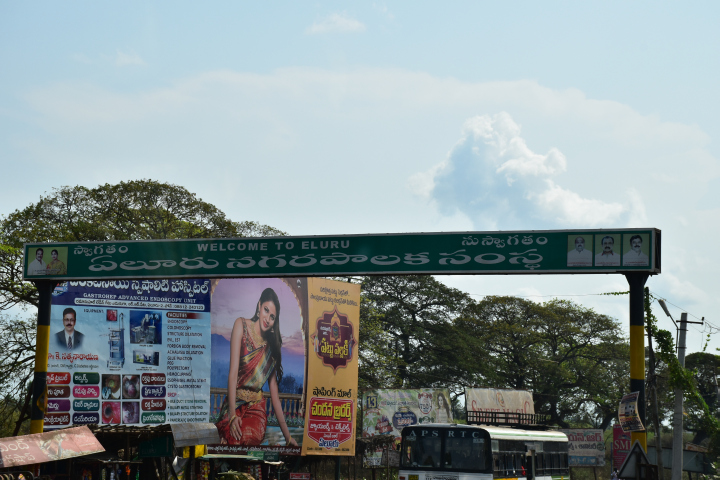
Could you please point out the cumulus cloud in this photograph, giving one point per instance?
(123, 59)
(336, 23)
(495, 179)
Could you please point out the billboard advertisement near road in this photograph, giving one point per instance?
(586, 447)
(231, 351)
(388, 411)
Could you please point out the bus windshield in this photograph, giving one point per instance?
(445, 448)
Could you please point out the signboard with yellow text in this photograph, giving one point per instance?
(332, 375)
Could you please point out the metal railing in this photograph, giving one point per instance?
(505, 418)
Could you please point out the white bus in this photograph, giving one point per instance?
(470, 452)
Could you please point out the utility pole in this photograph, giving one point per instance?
(677, 465)
(677, 449)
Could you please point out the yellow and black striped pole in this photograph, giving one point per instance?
(637, 348)
(42, 347)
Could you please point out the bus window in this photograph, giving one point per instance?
(465, 453)
(423, 452)
(539, 465)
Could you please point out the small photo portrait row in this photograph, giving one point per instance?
(606, 250)
(47, 261)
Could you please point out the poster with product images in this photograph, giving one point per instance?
(129, 352)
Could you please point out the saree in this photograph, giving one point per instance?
(256, 366)
(56, 267)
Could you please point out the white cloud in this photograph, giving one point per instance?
(123, 59)
(493, 177)
(336, 23)
(340, 144)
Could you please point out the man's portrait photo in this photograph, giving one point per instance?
(37, 266)
(69, 338)
(580, 254)
(634, 255)
(606, 256)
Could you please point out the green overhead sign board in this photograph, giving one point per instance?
(515, 252)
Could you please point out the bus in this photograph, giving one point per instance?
(470, 452)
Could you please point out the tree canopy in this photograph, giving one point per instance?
(133, 210)
(417, 332)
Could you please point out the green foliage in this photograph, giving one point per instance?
(17, 344)
(416, 332)
(407, 334)
(134, 210)
(572, 359)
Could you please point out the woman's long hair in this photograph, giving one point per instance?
(272, 337)
(445, 404)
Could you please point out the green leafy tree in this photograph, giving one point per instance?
(572, 359)
(407, 332)
(17, 359)
(133, 210)
(705, 367)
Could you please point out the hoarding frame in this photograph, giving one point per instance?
(415, 261)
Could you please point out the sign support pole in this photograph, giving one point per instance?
(637, 348)
(42, 347)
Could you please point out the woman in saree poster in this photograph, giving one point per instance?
(258, 359)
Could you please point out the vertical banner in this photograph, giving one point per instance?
(129, 352)
(258, 365)
(628, 413)
(621, 445)
(334, 319)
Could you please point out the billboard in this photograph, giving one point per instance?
(512, 252)
(586, 447)
(334, 329)
(129, 352)
(230, 351)
(498, 400)
(388, 411)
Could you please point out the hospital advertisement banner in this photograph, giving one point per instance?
(388, 411)
(333, 333)
(233, 352)
(129, 352)
(586, 447)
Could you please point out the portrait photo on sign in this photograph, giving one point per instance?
(258, 360)
(607, 250)
(580, 250)
(636, 250)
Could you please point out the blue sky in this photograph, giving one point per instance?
(370, 117)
